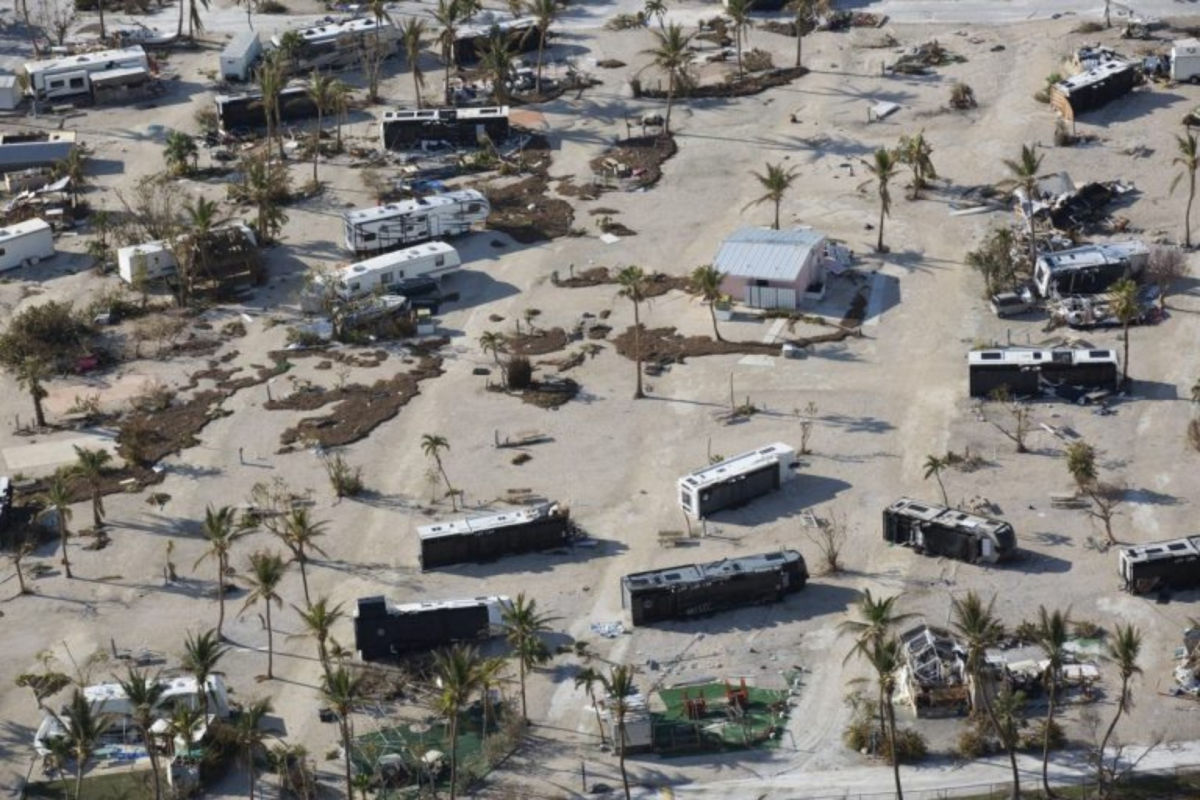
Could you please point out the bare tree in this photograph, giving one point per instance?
(372, 53)
(57, 16)
(1020, 413)
(830, 536)
(1166, 265)
(1106, 499)
(808, 416)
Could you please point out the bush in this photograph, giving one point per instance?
(52, 332)
(910, 746)
(518, 371)
(758, 61)
(1193, 434)
(345, 480)
(1031, 738)
(1086, 629)
(154, 396)
(271, 7)
(962, 96)
(972, 744)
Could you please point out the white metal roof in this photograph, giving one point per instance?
(25, 228)
(118, 75)
(491, 601)
(489, 522)
(1026, 356)
(406, 207)
(86, 59)
(762, 254)
(738, 465)
(389, 260)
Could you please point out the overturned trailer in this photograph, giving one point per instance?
(939, 531)
(736, 481)
(520, 35)
(478, 539)
(1094, 88)
(1154, 567)
(245, 111)
(383, 228)
(411, 128)
(1022, 372)
(1090, 269)
(700, 589)
(384, 630)
(337, 45)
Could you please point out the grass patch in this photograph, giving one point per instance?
(124, 785)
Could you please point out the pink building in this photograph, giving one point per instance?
(773, 269)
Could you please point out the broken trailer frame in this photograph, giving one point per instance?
(1173, 564)
(936, 530)
(385, 630)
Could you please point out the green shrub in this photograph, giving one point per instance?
(1031, 738)
(271, 7)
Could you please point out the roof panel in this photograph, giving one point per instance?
(763, 254)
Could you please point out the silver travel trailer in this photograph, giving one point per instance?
(158, 259)
(336, 45)
(736, 480)
(411, 128)
(25, 244)
(379, 274)
(939, 531)
(73, 75)
(1091, 269)
(383, 228)
(240, 55)
(1185, 60)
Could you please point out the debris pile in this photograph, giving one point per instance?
(918, 60)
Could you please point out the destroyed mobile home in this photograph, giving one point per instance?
(737, 480)
(384, 630)
(1160, 566)
(492, 536)
(25, 244)
(698, 590)
(935, 530)
(383, 228)
(1025, 372)
(227, 257)
(1090, 269)
(932, 679)
(338, 45)
(411, 129)
(240, 113)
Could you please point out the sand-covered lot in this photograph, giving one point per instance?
(886, 400)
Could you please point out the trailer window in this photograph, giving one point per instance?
(473, 208)
(385, 278)
(368, 237)
(76, 83)
(56, 84)
(439, 261)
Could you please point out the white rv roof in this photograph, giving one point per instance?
(240, 43)
(332, 30)
(737, 465)
(406, 207)
(505, 519)
(25, 228)
(82, 59)
(388, 260)
(1185, 45)
(1096, 74)
(1157, 551)
(1092, 255)
(438, 113)
(1023, 356)
(437, 605)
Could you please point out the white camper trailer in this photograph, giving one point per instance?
(72, 75)
(25, 243)
(736, 480)
(1090, 269)
(239, 56)
(383, 228)
(429, 260)
(335, 45)
(157, 258)
(1185, 60)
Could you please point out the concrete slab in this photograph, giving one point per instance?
(45, 457)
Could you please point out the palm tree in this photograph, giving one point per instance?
(496, 61)
(1127, 309)
(618, 686)
(271, 81)
(201, 655)
(448, 16)
(670, 54)
(492, 342)
(221, 530)
(144, 694)
(342, 690)
(340, 96)
(90, 465)
(739, 15)
(412, 33)
(589, 679)
(883, 169)
(195, 23)
(917, 154)
(656, 9)
(73, 167)
(1024, 174)
(884, 658)
(979, 630)
(1051, 634)
(457, 670)
(320, 91)
(1124, 648)
(806, 13)
(1189, 159)
(523, 627)
(180, 153)
(490, 672)
(318, 620)
(633, 283)
(299, 533)
(877, 619)
(183, 724)
(291, 43)
(266, 573)
(250, 736)
(82, 728)
(31, 373)
(775, 182)
(432, 445)
(544, 13)
(265, 185)
(933, 469)
(58, 497)
(21, 548)
(706, 281)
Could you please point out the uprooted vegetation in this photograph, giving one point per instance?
(665, 345)
(657, 284)
(636, 162)
(750, 84)
(524, 208)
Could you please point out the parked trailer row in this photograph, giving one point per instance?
(736, 480)
(1022, 371)
(701, 589)
(384, 630)
(936, 530)
(1174, 564)
(487, 538)
(388, 227)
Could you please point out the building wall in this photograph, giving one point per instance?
(737, 286)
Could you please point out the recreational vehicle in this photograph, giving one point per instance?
(1093, 88)
(940, 531)
(1091, 269)
(157, 258)
(1185, 60)
(1147, 568)
(25, 244)
(700, 589)
(384, 228)
(245, 111)
(336, 45)
(239, 56)
(736, 480)
(385, 630)
(73, 75)
(383, 272)
(408, 129)
(1027, 372)
(520, 34)
(477, 539)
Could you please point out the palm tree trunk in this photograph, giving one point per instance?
(1046, 739)
(21, 580)
(1125, 365)
(670, 100)
(447, 89)
(599, 720)
(62, 537)
(541, 48)
(778, 203)
(179, 27)
(621, 750)
(882, 217)
(303, 560)
(78, 777)
(712, 311)
(891, 714)
(454, 753)
(250, 770)
(346, 747)
(637, 346)
(152, 750)
(39, 414)
(220, 598)
(97, 507)
(991, 715)
(799, 43)
(249, 21)
(317, 148)
(521, 670)
(945, 499)
(270, 644)
(1187, 219)
(1102, 778)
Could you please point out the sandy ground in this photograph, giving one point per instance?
(886, 401)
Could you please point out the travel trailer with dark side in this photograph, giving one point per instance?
(487, 538)
(395, 225)
(385, 630)
(736, 480)
(1146, 568)
(701, 589)
(1023, 372)
(939, 531)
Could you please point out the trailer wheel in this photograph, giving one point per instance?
(1195, 79)
(34, 260)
